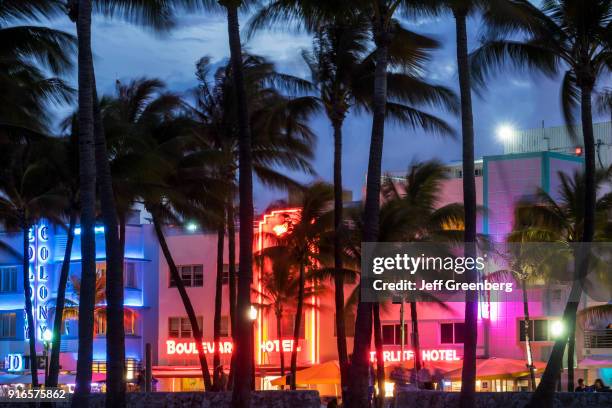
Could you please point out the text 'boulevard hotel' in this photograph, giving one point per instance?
(154, 312)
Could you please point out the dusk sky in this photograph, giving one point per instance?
(126, 52)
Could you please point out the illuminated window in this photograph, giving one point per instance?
(452, 333)
(8, 325)
(129, 322)
(179, 327)
(8, 279)
(191, 275)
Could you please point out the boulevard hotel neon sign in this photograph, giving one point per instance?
(226, 347)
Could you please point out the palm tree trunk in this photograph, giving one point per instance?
(87, 189)
(532, 385)
(543, 396)
(468, 374)
(338, 249)
(244, 327)
(54, 366)
(195, 328)
(279, 316)
(231, 249)
(415, 339)
(218, 304)
(298, 324)
(380, 360)
(27, 291)
(115, 333)
(357, 397)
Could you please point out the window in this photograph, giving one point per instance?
(288, 326)
(225, 279)
(179, 327)
(452, 333)
(224, 331)
(191, 275)
(538, 330)
(130, 277)
(129, 323)
(392, 334)
(8, 325)
(100, 324)
(8, 279)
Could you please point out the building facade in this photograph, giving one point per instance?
(155, 313)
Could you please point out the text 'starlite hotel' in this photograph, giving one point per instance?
(154, 312)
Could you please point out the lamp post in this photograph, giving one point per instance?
(47, 339)
(253, 318)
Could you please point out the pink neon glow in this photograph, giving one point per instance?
(226, 347)
(426, 355)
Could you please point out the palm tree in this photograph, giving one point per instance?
(562, 220)
(64, 160)
(281, 136)
(27, 52)
(573, 38)
(299, 245)
(342, 67)
(30, 192)
(280, 289)
(157, 14)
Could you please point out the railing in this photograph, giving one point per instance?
(598, 338)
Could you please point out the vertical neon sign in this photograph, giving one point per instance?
(39, 254)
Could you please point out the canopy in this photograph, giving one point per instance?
(325, 373)
(434, 367)
(596, 362)
(491, 368)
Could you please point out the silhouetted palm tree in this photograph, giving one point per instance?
(30, 192)
(573, 38)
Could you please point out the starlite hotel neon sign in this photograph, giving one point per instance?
(39, 254)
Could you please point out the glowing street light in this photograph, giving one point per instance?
(253, 313)
(191, 227)
(47, 336)
(557, 328)
(505, 132)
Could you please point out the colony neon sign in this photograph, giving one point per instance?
(426, 355)
(226, 347)
(39, 254)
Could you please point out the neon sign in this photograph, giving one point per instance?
(226, 347)
(426, 355)
(13, 362)
(39, 254)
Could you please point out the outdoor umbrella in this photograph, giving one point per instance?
(491, 368)
(325, 373)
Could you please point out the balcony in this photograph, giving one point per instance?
(598, 339)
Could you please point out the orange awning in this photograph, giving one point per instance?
(491, 368)
(325, 373)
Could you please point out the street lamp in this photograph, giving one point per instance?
(505, 132)
(47, 338)
(253, 313)
(557, 329)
